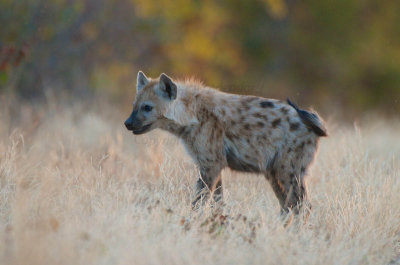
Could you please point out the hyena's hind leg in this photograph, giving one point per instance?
(290, 189)
(287, 176)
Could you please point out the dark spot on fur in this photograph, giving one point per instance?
(294, 126)
(276, 122)
(267, 104)
(223, 112)
(247, 126)
(284, 110)
(184, 131)
(289, 150)
(260, 116)
(301, 146)
(246, 107)
(181, 131)
(291, 175)
(217, 134)
(185, 102)
(308, 141)
(303, 170)
(260, 124)
(231, 137)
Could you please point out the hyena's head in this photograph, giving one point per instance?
(151, 103)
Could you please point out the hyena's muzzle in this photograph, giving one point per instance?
(134, 124)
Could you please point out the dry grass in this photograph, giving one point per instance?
(76, 188)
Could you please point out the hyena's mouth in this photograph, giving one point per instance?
(142, 130)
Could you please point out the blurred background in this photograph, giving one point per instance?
(340, 56)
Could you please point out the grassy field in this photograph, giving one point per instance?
(77, 188)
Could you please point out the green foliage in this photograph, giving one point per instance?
(327, 52)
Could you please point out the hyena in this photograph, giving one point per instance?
(245, 133)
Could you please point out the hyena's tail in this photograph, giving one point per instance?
(310, 119)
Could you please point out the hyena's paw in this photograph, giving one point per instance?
(200, 199)
(299, 214)
(287, 218)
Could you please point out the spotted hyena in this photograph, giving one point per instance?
(245, 133)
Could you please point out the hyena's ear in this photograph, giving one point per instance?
(142, 81)
(168, 88)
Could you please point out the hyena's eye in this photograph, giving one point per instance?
(147, 108)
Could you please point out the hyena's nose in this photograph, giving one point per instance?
(128, 124)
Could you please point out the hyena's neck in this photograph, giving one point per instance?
(193, 104)
(181, 113)
(172, 127)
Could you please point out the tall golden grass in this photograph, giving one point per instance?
(77, 188)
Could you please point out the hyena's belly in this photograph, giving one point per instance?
(242, 157)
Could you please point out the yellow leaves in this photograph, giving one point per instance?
(199, 44)
(115, 78)
(144, 8)
(121, 70)
(170, 9)
(277, 8)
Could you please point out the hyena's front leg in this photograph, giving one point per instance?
(207, 147)
(209, 183)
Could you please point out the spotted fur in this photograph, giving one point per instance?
(244, 133)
